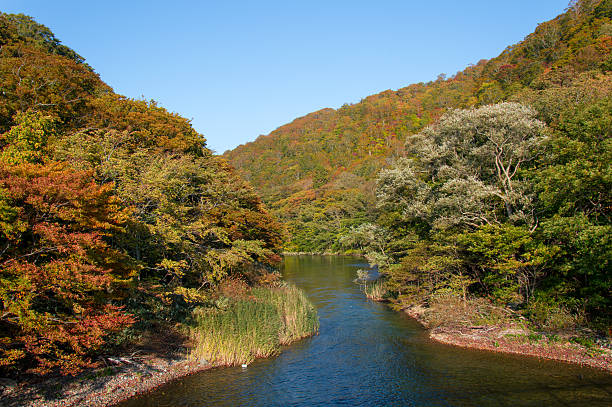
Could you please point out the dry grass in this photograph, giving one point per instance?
(446, 310)
(253, 325)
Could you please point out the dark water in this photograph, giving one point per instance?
(367, 355)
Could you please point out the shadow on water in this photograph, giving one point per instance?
(367, 355)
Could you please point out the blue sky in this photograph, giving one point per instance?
(239, 69)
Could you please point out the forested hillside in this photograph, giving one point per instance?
(490, 185)
(494, 183)
(317, 173)
(113, 213)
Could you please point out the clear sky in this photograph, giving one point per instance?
(239, 69)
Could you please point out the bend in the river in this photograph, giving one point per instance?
(368, 355)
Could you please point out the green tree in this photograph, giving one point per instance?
(465, 171)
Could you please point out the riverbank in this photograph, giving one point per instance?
(246, 323)
(479, 324)
(322, 254)
(101, 387)
(514, 337)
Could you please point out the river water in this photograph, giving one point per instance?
(368, 355)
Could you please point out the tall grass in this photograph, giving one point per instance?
(298, 315)
(375, 290)
(253, 326)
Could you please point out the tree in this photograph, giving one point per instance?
(573, 186)
(194, 221)
(38, 73)
(471, 209)
(58, 275)
(465, 171)
(372, 240)
(507, 260)
(27, 140)
(106, 204)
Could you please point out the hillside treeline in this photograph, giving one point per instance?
(114, 215)
(492, 183)
(318, 172)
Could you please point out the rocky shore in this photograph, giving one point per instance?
(512, 338)
(100, 387)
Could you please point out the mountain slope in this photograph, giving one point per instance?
(317, 172)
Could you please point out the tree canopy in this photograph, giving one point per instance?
(106, 204)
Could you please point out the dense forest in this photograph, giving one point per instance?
(492, 183)
(114, 215)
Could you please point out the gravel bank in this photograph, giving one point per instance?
(101, 387)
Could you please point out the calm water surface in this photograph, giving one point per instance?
(367, 355)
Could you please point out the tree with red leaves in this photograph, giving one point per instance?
(58, 275)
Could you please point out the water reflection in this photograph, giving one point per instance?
(367, 355)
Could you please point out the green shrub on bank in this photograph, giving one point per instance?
(553, 317)
(253, 326)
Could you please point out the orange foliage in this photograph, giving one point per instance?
(55, 288)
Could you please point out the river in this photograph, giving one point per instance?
(368, 355)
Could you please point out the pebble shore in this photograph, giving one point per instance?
(109, 386)
(101, 387)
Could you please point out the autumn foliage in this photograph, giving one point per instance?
(56, 277)
(334, 155)
(114, 216)
(493, 182)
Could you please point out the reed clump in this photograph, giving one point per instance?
(253, 325)
(376, 290)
